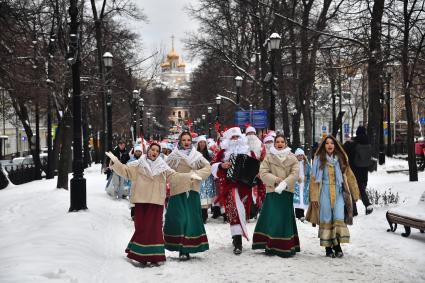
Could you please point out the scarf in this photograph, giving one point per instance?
(191, 156)
(149, 167)
(280, 152)
(318, 173)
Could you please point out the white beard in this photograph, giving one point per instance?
(268, 147)
(254, 144)
(235, 147)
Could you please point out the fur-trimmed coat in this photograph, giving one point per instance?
(351, 191)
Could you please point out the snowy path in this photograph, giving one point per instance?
(41, 242)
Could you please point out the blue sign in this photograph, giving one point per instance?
(324, 129)
(422, 120)
(257, 118)
(346, 128)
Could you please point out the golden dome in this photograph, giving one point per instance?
(165, 64)
(173, 54)
(182, 64)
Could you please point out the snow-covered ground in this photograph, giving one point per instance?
(41, 242)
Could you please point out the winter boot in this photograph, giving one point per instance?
(224, 218)
(338, 251)
(330, 252)
(215, 210)
(369, 209)
(237, 244)
(184, 256)
(205, 215)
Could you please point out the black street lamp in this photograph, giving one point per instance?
(204, 119)
(135, 113)
(218, 102)
(238, 83)
(141, 107)
(209, 110)
(148, 116)
(274, 45)
(78, 183)
(388, 101)
(107, 61)
(381, 155)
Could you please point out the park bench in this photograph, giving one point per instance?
(409, 217)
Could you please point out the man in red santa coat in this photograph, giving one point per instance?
(235, 196)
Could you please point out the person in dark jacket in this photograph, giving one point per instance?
(359, 151)
(115, 186)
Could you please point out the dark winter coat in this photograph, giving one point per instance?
(351, 149)
(122, 155)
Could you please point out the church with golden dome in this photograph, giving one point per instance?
(174, 77)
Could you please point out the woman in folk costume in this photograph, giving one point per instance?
(184, 229)
(148, 176)
(207, 190)
(302, 193)
(276, 231)
(235, 196)
(332, 187)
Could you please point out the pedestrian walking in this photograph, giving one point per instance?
(359, 152)
(302, 192)
(333, 187)
(276, 231)
(184, 229)
(148, 175)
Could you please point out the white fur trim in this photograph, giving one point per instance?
(268, 138)
(214, 169)
(250, 129)
(235, 131)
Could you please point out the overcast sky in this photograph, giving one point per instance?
(165, 18)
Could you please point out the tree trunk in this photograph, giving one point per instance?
(407, 84)
(374, 73)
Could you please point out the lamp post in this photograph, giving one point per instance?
(136, 112)
(209, 110)
(274, 45)
(204, 118)
(148, 116)
(78, 183)
(381, 155)
(238, 83)
(250, 114)
(107, 60)
(218, 102)
(388, 101)
(141, 107)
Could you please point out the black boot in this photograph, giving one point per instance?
(205, 215)
(330, 252)
(338, 251)
(215, 210)
(184, 256)
(224, 218)
(237, 244)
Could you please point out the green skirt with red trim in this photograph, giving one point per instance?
(184, 229)
(276, 231)
(147, 243)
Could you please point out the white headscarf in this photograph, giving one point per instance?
(150, 167)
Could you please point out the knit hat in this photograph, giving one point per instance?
(201, 138)
(138, 147)
(268, 138)
(299, 151)
(250, 129)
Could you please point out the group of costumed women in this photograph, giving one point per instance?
(326, 189)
